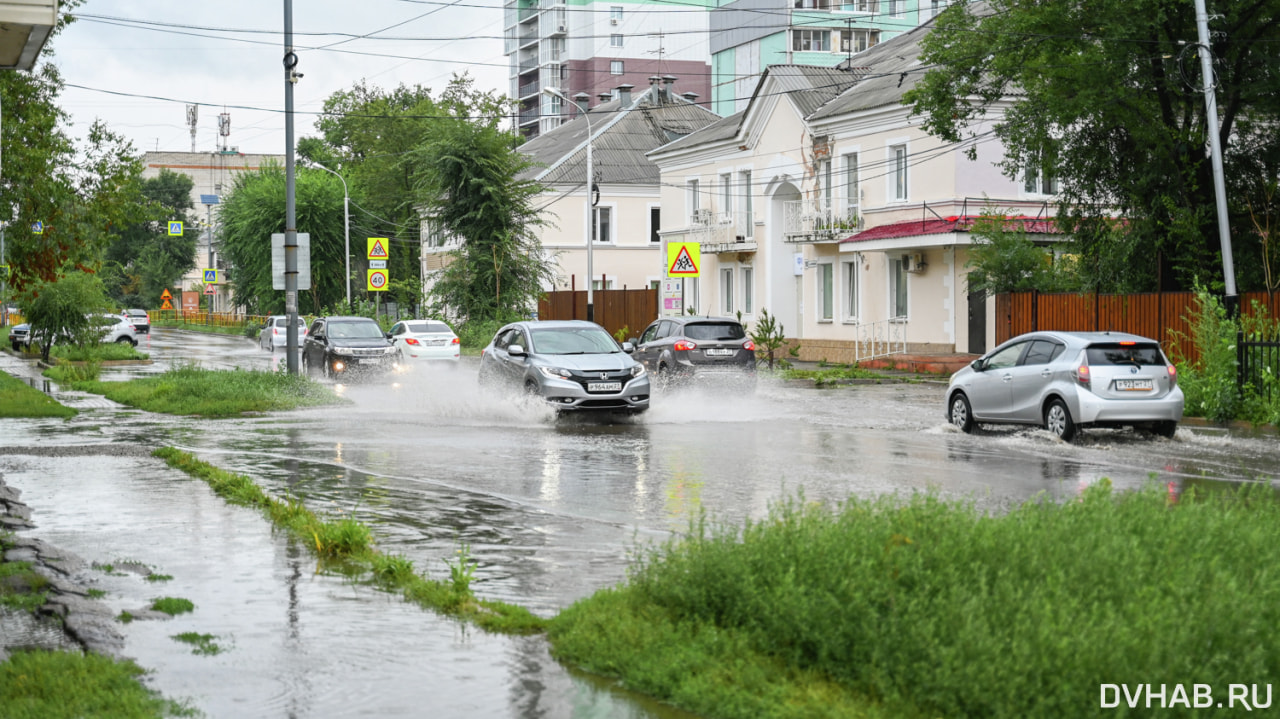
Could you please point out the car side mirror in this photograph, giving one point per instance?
(978, 365)
(634, 340)
(628, 347)
(390, 336)
(516, 351)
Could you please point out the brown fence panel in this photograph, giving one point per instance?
(1070, 313)
(614, 309)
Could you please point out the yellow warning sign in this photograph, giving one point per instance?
(165, 295)
(377, 281)
(166, 305)
(378, 248)
(683, 259)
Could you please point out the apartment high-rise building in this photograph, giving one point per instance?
(588, 47)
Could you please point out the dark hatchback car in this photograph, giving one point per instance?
(701, 348)
(345, 346)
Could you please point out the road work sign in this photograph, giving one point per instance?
(379, 248)
(377, 281)
(683, 259)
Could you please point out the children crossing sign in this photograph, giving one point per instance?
(378, 248)
(683, 259)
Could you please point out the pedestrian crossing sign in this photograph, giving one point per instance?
(683, 259)
(211, 277)
(378, 248)
(37, 227)
(175, 228)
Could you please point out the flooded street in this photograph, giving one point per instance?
(550, 508)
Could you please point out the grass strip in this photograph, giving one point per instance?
(934, 608)
(193, 390)
(827, 375)
(350, 543)
(101, 352)
(19, 399)
(69, 685)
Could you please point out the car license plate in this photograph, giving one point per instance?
(1133, 385)
(720, 353)
(604, 386)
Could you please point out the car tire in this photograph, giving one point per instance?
(17, 347)
(1165, 429)
(1057, 419)
(959, 413)
(531, 388)
(126, 339)
(665, 376)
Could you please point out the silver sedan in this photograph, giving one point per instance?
(1065, 381)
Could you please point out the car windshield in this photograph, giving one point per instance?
(428, 327)
(354, 330)
(572, 341)
(1119, 353)
(707, 331)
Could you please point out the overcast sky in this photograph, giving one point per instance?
(161, 55)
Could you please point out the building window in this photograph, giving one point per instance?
(726, 291)
(655, 224)
(898, 154)
(898, 287)
(824, 179)
(852, 190)
(1038, 180)
(615, 67)
(851, 290)
(726, 193)
(615, 40)
(693, 199)
(856, 41)
(615, 14)
(826, 292)
(692, 293)
(748, 291)
(811, 40)
(895, 8)
(604, 224)
(748, 224)
(865, 5)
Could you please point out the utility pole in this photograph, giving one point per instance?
(290, 209)
(209, 228)
(1231, 300)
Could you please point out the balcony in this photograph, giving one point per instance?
(530, 11)
(531, 115)
(529, 89)
(814, 221)
(719, 232)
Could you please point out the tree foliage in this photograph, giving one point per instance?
(1106, 95)
(58, 311)
(469, 183)
(144, 260)
(1003, 258)
(255, 208)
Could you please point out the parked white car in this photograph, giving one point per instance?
(275, 333)
(425, 340)
(115, 328)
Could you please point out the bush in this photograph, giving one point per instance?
(475, 334)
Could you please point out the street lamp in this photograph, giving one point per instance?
(346, 226)
(591, 220)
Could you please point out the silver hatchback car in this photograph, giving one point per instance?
(572, 364)
(1065, 381)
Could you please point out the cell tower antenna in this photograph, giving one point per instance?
(224, 128)
(193, 112)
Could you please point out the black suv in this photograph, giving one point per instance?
(682, 348)
(346, 346)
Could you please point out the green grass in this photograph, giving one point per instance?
(828, 375)
(19, 399)
(153, 577)
(102, 352)
(932, 608)
(21, 572)
(214, 393)
(202, 644)
(348, 544)
(58, 685)
(173, 606)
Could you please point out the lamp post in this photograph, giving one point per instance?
(591, 219)
(346, 226)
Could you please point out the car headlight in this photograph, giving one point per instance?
(389, 350)
(555, 372)
(637, 371)
(342, 351)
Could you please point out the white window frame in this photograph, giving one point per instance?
(692, 293)
(852, 307)
(851, 180)
(692, 197)
(726, 291)
(896, 8)
(898, 178)
(824, 282)
(802, 37)
(826, 184)
(616, 67)
(615, 13)
(1036, 183)
(748, 210)
(898, 276)
(615, 40)
(726, 194)
(748, 291)
(612, 209)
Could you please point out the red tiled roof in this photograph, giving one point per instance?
(955, 223)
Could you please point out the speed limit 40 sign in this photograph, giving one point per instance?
(377, 280)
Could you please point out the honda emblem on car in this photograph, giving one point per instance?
(604, 375)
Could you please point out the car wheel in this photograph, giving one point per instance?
(665, 377)
(326, 367)
(959, 413)
(17, 347)
(1057, 419)
(122, 340)
(1165, 429)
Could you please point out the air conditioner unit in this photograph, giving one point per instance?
(563, 28)
(613, 21)
(914, 262)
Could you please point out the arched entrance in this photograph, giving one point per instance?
(783, 292)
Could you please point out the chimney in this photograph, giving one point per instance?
(605, 96)
(624, 93)
(667, 90)
(690, 96)
(583, 100)
(655, 89)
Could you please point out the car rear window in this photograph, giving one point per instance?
(714, 331)
(1142, 354)
(428, 327)
(284, 322)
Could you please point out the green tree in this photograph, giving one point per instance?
(470, 185)
(254, 209)
(144, 259)
(58, 310)
(1105, 96)
(1003, 258)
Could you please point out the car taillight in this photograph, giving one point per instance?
(1173, 375)
(455, 341)
(684, 346)
(411, 341)
(1082, 375)
(749, 346)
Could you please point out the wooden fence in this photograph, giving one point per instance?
(614, 309)
(1162, 316)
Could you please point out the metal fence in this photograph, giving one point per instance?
(1257, 358)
